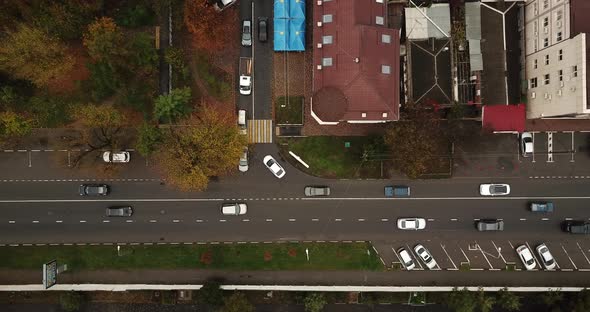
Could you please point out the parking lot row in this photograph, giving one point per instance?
(493, 255)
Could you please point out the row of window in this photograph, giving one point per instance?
(559, 58)
(329, 18)
(545, 5)
(329, 39)
(328, 61)
(547, 77)
(558, 37)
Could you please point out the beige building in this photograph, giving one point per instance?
(556, 58)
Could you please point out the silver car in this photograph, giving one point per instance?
(243, 165)
(317, 191)
(247, 33)
(425, 256)
(120, 211)
(546, 257)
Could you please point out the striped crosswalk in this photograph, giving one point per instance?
(260, 131)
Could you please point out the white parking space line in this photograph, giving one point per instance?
(573, 150)
(465, 255)
(30, 160)
(583, 253)
(414, 256)
(568, 255)
(499, 252)
(397, 256)
(534, 252)
(533, 134)
(450, 259)
(485, 256)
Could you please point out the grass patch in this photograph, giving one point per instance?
(289, 110)
(465, 266)
(511, 267)
(328, 157)
(279, 256)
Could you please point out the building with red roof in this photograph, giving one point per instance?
(356, 63)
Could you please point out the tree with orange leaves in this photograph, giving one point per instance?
(213, 30)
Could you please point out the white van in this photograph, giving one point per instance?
(242, 121)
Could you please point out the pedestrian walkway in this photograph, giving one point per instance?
(260, 131)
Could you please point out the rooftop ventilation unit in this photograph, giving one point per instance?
(319, 2)
(319, 67)
(319, 24)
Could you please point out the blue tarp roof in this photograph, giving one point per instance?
(289, 25)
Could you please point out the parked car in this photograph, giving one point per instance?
(542, 207)
(525, 255)
(526, 144)
(246, 33)
(234, 209)
(397, 191)
(220, 5)
(576, 227)
(317, 191)
(120, 211)
(243, 129)
(262, 29)
(411, 223)
(93, 189)
(546, 257)
(406, 259)
(243, 165)
(494, 189)
(273, 166)
(116, 157)
(490, 225)
(425, 255)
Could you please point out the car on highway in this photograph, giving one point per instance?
(116, 157)
(119, 211)
(411, 223)
(425, 256)
(490, 225)
(234, 209)
(247, 33)
(406, 259)
(93, 190)
(243, 164)
(273, 166)
(397, 191)
(576, 226)
(262, 29)
(525, 255)
(546, 257)
(312, 191)
(526, 144)
(542, 207)
(494, 189)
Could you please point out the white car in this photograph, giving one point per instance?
(525, 255)
(243, 165)
(494, 189)
(411, 223)
(425, 255)
(546, 257)
(407, 261)
(234, 209)
(116, 157)
(273, 166)
(526, 144)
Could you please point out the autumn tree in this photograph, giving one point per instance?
(14, 126)
(237, 302)
(104, 40)
(66, 18)
(209, 27)
(209, 147)
(414, 142)
(149, 137)
(32, 54)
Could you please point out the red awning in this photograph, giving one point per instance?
(504, 117)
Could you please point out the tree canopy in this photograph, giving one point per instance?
(315, 302)
(104, 40)
(209, 26)
(237, 302)
(173, 106)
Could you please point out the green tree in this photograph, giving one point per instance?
(462, 300)
(13, 125)
(104, 80)
(71, 301)
(237, 302)
(49, 111)
(582, 303)
(508, 300)
(486, 303)
(551, 298)
(149, 138)
(66, 18)
(32, 54)
(314, 302)
(173, 106)
(211, 293)
(209, 147)
(143, 54)
(104, 40)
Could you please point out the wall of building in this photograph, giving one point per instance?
(547, 23)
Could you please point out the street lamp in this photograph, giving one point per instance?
(307, 254)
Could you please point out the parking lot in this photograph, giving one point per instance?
(495, 255)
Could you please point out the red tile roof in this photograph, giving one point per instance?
(504, 117)
(357, 54)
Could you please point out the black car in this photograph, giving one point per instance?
(94, 189)
(120, 211)
(576, 226)
(262, 29)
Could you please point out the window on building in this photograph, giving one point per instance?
(536, 27)
(535, 63)
(386, 69)
(379, 20)
(546, 59)
(327, 39)
(546, 79)
(545, 4)
(559, 15)
(536, 46)
(327, 61)
(385, 38)
(536, 8)
(545, 42)
(533, 83)
(545, 22)
(575, 71)
(559, 36)
(327, 18)
(560, 74)
(560, 55)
